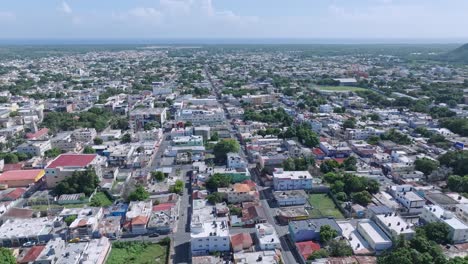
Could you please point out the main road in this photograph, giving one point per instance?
(282, 231)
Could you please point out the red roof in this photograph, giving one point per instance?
(38, 134)
(317, 151)
(18, 175)
(306, 248)
(15, 194)
(72, 160)
(13, 166)
(163, 207)
(339, 160)
(140, 220)
(241, 239)
(32, 254)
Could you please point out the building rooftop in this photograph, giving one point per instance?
(374, 231)
(314, 224)
(259, 257)
(293, 175)
(207, 229)
(25, 227)
(446, 216)
(72, 160)
(395, 223)
(19, 175)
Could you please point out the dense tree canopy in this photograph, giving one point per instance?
(298, 164)
(304, 134)
(425, 165)
(80, 182)
(327, 233)
(218, 181)
(269, 116)
(139, 194)
(223, 147)
(6, 256)
(93, 118)
(457, 183)
(457, 160)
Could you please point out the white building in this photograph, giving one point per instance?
(461, 211)
(394, 226)
(267, 237)
(160, 89)
(290, 198)
(408, 198)
(326, 108)
(34, 148)
(210, 237)
(240, 192)
(235, 161)
(201, 117)
(458, 229)
(291, 180)
(111, 135)
(84, 134)
(376, 238)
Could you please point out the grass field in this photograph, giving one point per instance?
(339, 88)
(137, 253)
(323, 206)
(100, 199)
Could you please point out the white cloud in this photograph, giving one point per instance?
(65, 8)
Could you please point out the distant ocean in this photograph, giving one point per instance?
(225, 41)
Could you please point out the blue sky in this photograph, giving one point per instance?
(435, 19)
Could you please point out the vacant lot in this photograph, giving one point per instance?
(323, 206)
(100, 199)
(338, 88)
(137, 253)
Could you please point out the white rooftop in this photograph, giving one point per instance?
(374, 232)
(207, 229)
(395, 223)
(293, 175)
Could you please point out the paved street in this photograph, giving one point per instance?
(282, 231)
(181, 237)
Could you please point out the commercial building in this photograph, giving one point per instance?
(139, 117)
(291, 180)
(412, 202)
(16, 232)
(34, 148)
(210, 237)
(394, 226)
(458, 229)
(65, 164)
(21, 178)
(375, 236)
(201, 117)
(84, 134)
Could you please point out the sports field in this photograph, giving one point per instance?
(323, 206)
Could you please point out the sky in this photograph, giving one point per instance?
(251, 19)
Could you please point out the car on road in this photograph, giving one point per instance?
(154, 235)
(29, 244)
